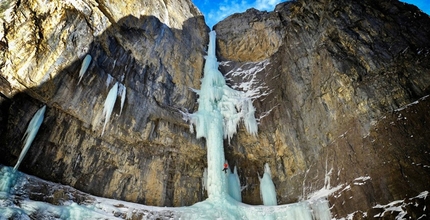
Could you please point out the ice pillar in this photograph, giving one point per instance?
(220, 110)
(267, 188)
(234, 188)
(208, 121)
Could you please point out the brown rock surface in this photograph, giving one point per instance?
(146, 154)
(339, 76)
(339, 72)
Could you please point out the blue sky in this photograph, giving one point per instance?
(216, 10)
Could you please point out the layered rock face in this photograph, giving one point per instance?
(153, 49)
(340, 75)
(347, 108)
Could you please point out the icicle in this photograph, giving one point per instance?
(108, 80)
(122, 92)
(84, 66)
(249, 119)
(30, 133)
(205, 179)
(109, 104)
(327, 176)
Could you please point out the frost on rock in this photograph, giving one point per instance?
(249, 85)
(401, 208)
(109, 104)
(85, 64)
(411, 104)
(30, 133)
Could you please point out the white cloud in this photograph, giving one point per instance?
(267, 5)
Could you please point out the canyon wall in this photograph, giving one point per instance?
(347, 106)
(154, 50)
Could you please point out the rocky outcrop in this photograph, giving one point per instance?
(154, 49)
(347, 108)
(340, 75)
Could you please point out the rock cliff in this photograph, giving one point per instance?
(347, 108)
(343, 75)
(154, 49)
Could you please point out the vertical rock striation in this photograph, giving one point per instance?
(340, 74)
(153, 49)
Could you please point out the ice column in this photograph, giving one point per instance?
(209, 121)
(221, 108)
(234, 185)
(267, 188)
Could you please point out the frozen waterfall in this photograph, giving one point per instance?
(221, 108)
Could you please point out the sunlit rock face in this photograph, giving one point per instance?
(263, 31)
(340, 73)
(153, 49)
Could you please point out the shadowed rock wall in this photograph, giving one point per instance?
(146, 154)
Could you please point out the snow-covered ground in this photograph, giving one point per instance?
(16, 204)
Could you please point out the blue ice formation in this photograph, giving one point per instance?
(109, 104)
(234, 185)
(267, 188)
(30, 133)
(85, 64)
(122, 92)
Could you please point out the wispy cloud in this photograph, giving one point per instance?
(267, 5)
